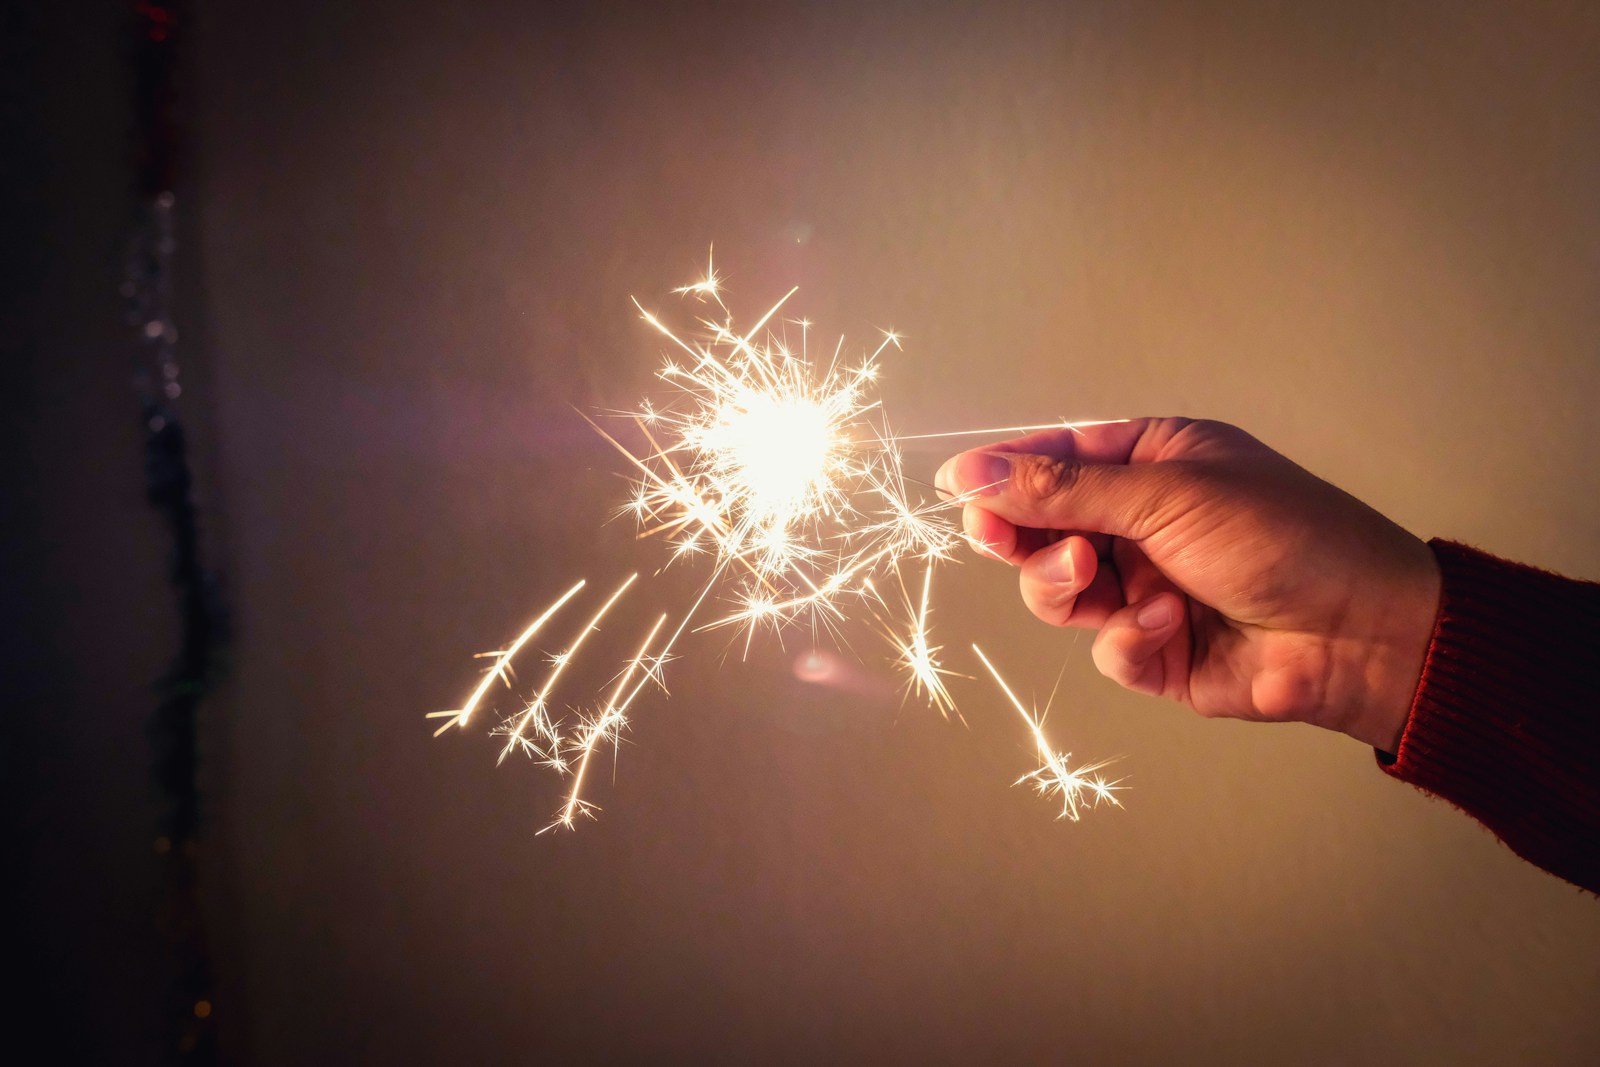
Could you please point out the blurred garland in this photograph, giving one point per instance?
(169, 487)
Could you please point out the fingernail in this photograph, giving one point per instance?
(1156, 614)
(1057, 566)
(981, 473)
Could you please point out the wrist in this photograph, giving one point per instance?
(1388, 655)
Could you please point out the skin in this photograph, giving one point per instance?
(1217, 572)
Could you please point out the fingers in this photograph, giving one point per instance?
(1131, 646)
(1065, 584)
(989, 534)
(1032, 500)
(993, 536)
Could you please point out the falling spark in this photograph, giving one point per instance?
(784, 473)
(709, 286)
(917, 655)
(546, 744)
(1079, 788)
(606, 726)
(500, 671)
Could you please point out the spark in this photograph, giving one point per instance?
(502, 665)
(1080, 788)
(918, 656)
(537, 713)
(606, 726)
(708, 287)
(777, 464)
(784, 473)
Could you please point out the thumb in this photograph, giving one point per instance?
(1051, 493)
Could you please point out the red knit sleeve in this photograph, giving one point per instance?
(1504, 722)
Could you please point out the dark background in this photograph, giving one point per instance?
(1366, 232)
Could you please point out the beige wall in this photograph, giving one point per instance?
(1368, 233)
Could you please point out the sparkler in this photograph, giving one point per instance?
(782, 470)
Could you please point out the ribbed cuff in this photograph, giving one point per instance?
(1504, 722)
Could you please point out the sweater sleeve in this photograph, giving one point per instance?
(1504, 722)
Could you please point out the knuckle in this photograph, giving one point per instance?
(1214, 432)
(1172, 425)
(1043, 477)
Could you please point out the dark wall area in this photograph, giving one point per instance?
(89, 618)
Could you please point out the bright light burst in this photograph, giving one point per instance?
(781, 470)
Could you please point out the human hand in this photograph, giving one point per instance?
(1218, 573)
